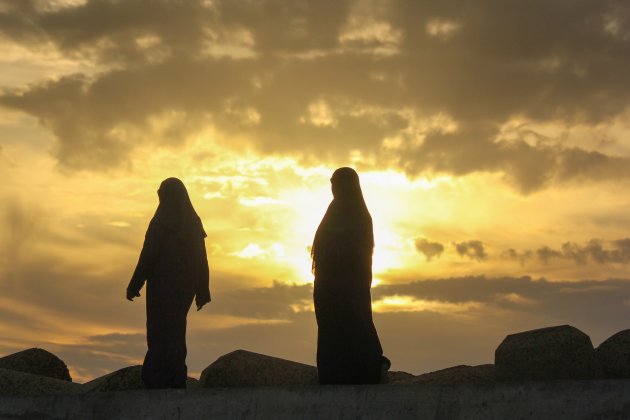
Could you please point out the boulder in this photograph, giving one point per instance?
(192, 383)
(561, 352)
(125, 379)
(245, 368)
(37, 362)
(456, 375)
(613, 356)
(397, 376)
(20, 384)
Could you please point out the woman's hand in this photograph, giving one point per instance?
(132, 294)
(200, 302)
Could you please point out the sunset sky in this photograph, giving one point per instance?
(492, 140)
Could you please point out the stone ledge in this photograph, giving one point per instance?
(609, 399)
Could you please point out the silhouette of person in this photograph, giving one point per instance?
(348, 347)
(174, 264)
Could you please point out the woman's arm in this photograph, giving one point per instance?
(148, 258)
(202, 294)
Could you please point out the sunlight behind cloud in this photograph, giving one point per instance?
(402, 303)
(319, 114)
(237, 43)
(251, 251)
(57, 5)
(442, 28)
(376, 37)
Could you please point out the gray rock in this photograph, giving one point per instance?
(125, 379)
(192, 383)
(613, 356)
(456, 375)
(245, 368)
(20, 384)
(561, 352)
(37, 362)
(397, 376)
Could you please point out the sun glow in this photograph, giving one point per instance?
(398, 303)
(307, 205)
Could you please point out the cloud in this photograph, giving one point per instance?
(521, 257)
(275, 302)
(594, 250)
(429, 249)
(551, 298)
(275, 76)
(472, 249)
(97, 355)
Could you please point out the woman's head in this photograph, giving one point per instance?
(176, 211)
(172, 190)
(345, 183)
(347, 219)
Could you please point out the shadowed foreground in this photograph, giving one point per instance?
(609, 399)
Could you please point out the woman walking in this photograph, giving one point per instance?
(174, 264)
(348, 348)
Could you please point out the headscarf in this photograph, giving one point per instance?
(347, 215)
(176, 213)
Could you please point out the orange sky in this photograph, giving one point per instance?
(492, 142)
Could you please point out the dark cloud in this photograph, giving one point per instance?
(594, 250)
(280, 301)
(528, 167)
(429, 249)
(183, 28)
(545, 254)
(307, 78)
(471, 249)
(521, 257)
(592, 302)
(617, 252)
(98, 355)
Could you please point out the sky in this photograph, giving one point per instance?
(492, 140)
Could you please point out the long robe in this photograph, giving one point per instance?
(348, 347)
(176, 272)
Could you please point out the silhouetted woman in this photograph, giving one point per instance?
(348, 348)
(173, 261)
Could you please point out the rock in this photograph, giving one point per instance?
(125, 379)
(456, 375)
(561, 352)
(613, 356)
(396, 376)
(20, 384)
(192, 383)
(245, 368)
(37, 362)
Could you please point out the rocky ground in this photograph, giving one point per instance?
(554, 353)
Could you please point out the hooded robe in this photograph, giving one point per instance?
(348, 347)
(174, 264)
